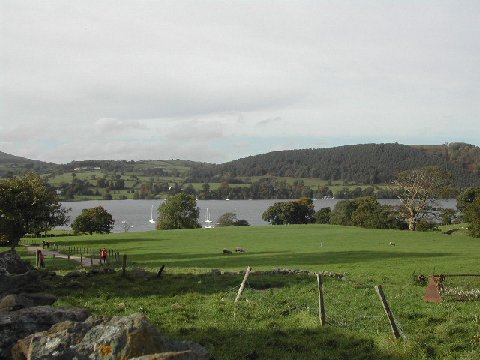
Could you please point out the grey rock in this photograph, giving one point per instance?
(100, 337)
(18, 324)
(14, 302)
(40, 298)
(11, 263)
(74, 274)
(17, 283)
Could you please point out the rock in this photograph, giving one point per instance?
(17, 283)
(94, 271)
(14, 302)
(99, 337)
(74, 274)
(11, 263)
(74, 285)
(18, 324)
(40, 298)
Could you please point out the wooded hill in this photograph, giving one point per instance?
(361, 164)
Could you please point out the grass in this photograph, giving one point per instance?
(277, 316)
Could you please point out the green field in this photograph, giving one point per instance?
(277, 316)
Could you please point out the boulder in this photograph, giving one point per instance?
(100, 337)
(14, 302)
(16, 325)
(17, 283)
(40, 298)
(11, 263)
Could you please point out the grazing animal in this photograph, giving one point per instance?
(239, 250)
(226, 251)
(392, 243)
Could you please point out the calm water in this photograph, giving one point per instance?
(137, 212)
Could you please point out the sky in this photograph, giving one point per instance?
(215, 81)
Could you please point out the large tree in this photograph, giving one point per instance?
(179, 211)
(366, 212)
(472, 216)
(418, 190)
(94, 220)
(290, 212)
(468, 202)
(28, 205)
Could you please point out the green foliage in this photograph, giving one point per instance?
(363, 164)
(365, 212)
(448, 216)
(227, 219)
(28, 205)
(322, 216)
(472, 216)
(93, 220)
(179, 211)
(230, 219)
(342, 213)
(466, 197)
(290, 212)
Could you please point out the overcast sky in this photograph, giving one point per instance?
(218, 80)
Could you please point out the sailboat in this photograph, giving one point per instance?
(151, 216)
(208, 222)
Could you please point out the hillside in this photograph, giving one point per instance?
(344, 172)
(7, 158)
(362, 164)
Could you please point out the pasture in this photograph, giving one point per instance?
(277, 315)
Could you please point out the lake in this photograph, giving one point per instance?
(137, 212)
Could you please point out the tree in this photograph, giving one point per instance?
(179, 211)
(322, 216)
(472, 216)
(342, 213)
(227, 219)
(290, 212)
(418, 190)
(366, 212)
(467, 197)
(92, 220)
(230, 219)
(28, 205)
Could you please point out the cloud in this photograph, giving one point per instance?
(219, 80)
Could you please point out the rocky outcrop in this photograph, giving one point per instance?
(15, 325)
(99, 337)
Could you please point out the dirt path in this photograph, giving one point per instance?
(86, 261)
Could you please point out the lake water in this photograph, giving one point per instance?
(137, 212)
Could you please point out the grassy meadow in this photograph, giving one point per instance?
(277, 315)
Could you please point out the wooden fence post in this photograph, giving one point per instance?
(395, 330)
(321, 302)
(242, 285)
